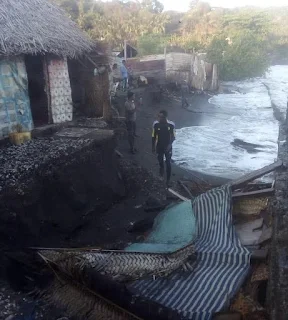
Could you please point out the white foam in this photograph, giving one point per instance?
(246, 115)
(277, 81)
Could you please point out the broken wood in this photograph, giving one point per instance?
(182, 184)
(260, 254)
(178, 195)
(252, 193)
(266, 235)
(119, 154)
(256, 174)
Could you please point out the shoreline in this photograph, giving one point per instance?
(146, 114)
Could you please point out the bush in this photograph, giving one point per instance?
(244, 56)
(151, 44)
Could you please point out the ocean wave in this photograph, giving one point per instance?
(247, 116)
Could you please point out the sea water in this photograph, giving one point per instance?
(245, 113)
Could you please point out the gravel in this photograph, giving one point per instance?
(17, 162)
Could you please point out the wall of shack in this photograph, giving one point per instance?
(14, 96)
(60, 90)
(178, 67)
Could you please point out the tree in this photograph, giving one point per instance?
(117, 20)
(153, 6)
(251, 20)
(151, 44)
(245, 56)
(193, 3)
(255, 34)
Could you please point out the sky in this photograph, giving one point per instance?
(182, 5)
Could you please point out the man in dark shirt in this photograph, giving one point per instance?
(163, 135)
(184, 93)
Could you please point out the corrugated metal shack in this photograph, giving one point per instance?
(177, 67)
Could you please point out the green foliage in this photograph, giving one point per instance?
(153, 6)
(243, 56)
(255, 34)
(117, 20)
(247, 20)
(151, 44)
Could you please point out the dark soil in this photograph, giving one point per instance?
(59, 208)
(89, 199)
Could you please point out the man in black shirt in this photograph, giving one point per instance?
(163, 135)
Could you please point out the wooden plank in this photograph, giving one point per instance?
(260, 254)
(178, 195)
(119, 154)
(253, 193)
(182, 184)
(256, 174)
(266, 235)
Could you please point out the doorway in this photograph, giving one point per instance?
(36, 87)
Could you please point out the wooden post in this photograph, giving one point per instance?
(256, 174)
(165, 55)
(107, 112)
(125, 50)
(47, 88)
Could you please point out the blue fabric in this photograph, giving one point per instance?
(173, 229)
(221, 266)
(14, 97)
(124, 72)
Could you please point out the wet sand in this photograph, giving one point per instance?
(199, 113)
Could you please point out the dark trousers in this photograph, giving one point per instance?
(124, 83)
(168, 155)
(185, 103)
(131, 129)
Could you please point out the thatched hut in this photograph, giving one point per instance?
(36, 39)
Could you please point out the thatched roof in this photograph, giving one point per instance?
(38, 27)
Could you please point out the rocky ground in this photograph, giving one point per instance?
(18, 162)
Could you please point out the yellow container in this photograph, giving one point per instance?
(18, 138)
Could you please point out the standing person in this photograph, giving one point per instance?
(184, 93)
(130, 113)
(163, 135)
(124, 75)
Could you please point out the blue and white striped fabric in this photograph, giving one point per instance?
(221, 266)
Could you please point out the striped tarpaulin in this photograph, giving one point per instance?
(222, 263)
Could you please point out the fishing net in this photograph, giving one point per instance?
(249, 206)
(173, 229)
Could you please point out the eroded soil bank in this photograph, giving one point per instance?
(71, 190)
(66, 192)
